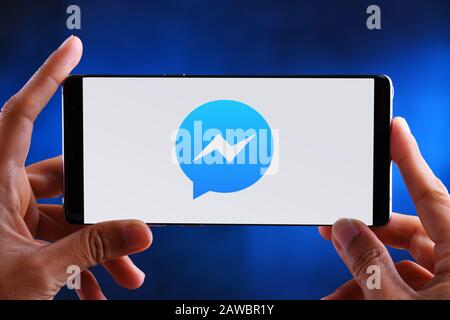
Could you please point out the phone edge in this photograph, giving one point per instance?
(77, 217)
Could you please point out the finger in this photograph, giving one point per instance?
(90, 289)
(361, 251)
(402, 232)
(429, 194)
(125, 273)
(36, 93)
(96, 244)
(53, 226)
(31, 217)
(46, 177)
(407, 232)
(19, 113)
(414, 275)
(325, 232)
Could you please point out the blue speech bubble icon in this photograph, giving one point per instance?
(223, 146)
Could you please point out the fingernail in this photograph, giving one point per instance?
(344, 231)
(140, 273)
(136, 235)
(405, 125)
(65, 41)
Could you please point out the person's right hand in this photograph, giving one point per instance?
(36, 244)
(427, 238)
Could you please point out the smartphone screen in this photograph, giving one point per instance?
(229, 150)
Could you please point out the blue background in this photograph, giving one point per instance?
(242, 37)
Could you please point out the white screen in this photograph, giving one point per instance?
(323, 171)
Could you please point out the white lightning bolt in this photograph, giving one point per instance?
(228, 151)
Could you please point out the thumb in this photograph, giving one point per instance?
(369, 261)
(94, 245)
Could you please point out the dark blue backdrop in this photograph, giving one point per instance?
(242, 37)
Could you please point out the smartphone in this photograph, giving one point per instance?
(228, 150)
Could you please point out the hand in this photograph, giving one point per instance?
(32, 266)
(427, 238)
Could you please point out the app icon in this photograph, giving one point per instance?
(223, 146)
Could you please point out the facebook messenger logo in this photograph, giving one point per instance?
(223, 146)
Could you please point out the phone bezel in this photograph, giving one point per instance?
(73, 194)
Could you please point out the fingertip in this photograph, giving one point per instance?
(137, 235)
(139, 280)
(76, 46)
(401, 139)
(344, 231)
(397, 126)
(400, 121)
(125, 273)
(77, 43)
(73, 48)
(134, 279)
(360, 250)
(397, 120)
(72, 41)
(325, 232)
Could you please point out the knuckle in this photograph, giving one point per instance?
(373, 256)
(96, 247)
(436, 193)
(440, 190)
(5, 111)
(9, 109)
(8, 105)
(50, 76)
(44, 73)
(440, 185)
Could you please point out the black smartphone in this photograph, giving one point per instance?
(229, 150)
